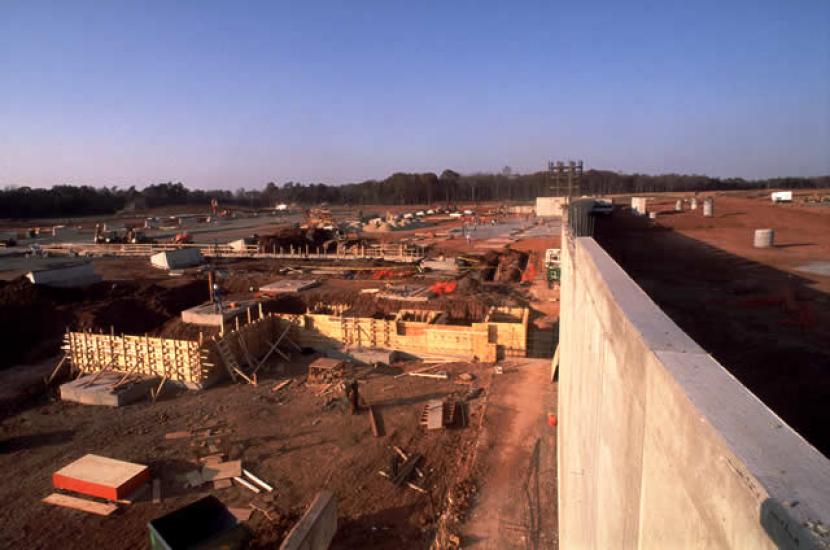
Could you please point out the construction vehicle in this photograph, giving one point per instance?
(319, 217)
(553, 269)
(182, 238)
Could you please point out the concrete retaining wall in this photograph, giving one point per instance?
(550, 206)
(659, 446)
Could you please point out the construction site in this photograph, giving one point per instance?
(411, 378)
(268, 364)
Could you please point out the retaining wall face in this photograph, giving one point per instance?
(659, 446)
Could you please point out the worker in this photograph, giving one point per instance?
(353, 394)
(217, 298)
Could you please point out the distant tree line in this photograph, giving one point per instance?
(399, 188)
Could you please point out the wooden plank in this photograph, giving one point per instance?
(281, 385)
(554, 366)
(156, 491)
(222, 470)
(435, 414)
(406, 469)
(437, 376)
(256, 480)
(82, 504)
(375, 421)
(247, 484)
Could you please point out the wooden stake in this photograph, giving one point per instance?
(57, 368)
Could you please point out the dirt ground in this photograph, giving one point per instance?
(295, 439)
(767, 322)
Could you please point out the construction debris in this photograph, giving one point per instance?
(280, 385)
(247, 484)
(213, 471)
(326, 370)
(82, 504)
(437, 375)
(375, 421)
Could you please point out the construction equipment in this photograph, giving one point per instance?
(553, 267)
(319, 217)
(182, 238)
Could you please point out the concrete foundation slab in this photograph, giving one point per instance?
(287, 286)
(101, 392)
(102, 477)
(65, 276)
(206, 314)
(362, 356)
(177, 259)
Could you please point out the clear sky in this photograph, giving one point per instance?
(236, 94)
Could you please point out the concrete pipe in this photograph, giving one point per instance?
(764, 238)
(708, 208)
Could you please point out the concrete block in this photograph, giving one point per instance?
(206, 314)
(65, 276)
(317, 527)
(639, 205)
(238, 245)
(102, 477)
(440, 265)
(100, 392)
(287, 286)
(550, 207)
(177, 259)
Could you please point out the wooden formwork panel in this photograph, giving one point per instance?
(481, 340)
(179, 360)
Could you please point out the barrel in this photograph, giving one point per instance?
(652, 215)
(764, 238)
(693, 204)
(708, 208)
(678, 206)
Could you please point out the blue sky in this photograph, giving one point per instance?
(236, 94)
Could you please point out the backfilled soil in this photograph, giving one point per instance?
(761, 318)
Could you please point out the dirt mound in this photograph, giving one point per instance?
(297, 238)
(34, 318)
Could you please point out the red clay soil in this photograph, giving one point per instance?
(297, 441)
(764, 321)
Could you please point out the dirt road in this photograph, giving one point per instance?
(517, 503)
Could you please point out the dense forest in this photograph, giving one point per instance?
(399, 188)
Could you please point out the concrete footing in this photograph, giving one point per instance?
(101, 392)
(287, 286)
(206, 314)
(65, 276)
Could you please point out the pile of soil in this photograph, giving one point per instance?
(295, 237)
(34, 318)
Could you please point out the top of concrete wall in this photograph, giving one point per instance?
(780, 462)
